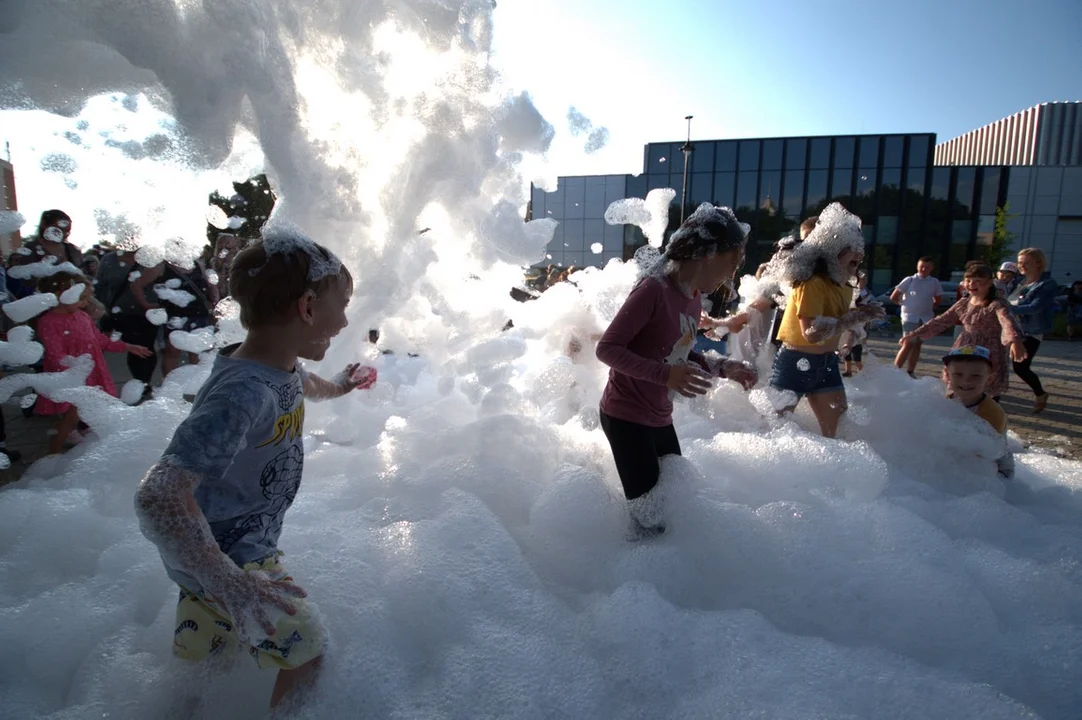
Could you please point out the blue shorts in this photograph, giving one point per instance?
(703, 343)
(909, 327)
(805, 373)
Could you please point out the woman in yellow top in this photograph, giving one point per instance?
(817, 314)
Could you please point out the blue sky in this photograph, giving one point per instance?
(785, 67)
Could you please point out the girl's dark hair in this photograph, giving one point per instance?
(983, 272)
(708, 229)
(60, 281)
(51, 216)
(821, 267)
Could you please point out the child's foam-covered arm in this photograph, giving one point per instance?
(353, 377)
(632, 317)
(202, 449)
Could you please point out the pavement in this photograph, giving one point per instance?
(1058, 429)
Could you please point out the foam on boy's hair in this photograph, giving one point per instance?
(270, 275)
(285, 239)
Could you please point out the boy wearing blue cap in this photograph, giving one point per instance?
(968, 369)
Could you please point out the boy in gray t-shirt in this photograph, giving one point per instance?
(918, 295)
(215, 502)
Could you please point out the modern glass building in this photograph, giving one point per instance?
(910, 207)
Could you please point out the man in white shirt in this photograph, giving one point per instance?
(918, 295)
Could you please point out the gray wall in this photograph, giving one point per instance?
(1047, 202)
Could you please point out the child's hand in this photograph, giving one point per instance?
(1018, 352)
(688, 380)
(139, 351)
(741, 372)
(356, 376)
(248, 595)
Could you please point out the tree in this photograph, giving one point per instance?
(251, 203)
(1002, 237)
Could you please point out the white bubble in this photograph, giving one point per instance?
(157, 316)
(803, 365)
(596, 248)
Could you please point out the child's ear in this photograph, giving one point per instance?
(305, 307)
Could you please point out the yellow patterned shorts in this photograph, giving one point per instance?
(204, 629)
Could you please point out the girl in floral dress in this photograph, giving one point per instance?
(67, 331)
(986, 320)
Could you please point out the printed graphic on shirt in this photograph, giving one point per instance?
(290, 423)
(682, 348)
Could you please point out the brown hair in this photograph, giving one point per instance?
(808, 225)
(982, 272)
(1037, 254)
(267, 285)
(60, 281)
(927, 260)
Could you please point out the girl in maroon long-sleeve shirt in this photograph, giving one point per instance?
(648, 345)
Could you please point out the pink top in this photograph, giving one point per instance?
(991, 326)
(654, 329)
(74, 334)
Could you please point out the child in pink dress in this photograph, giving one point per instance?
(67, 331)
(986, 321)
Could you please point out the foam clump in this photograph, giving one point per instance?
(132, 392)
(72, 294)
(30, 306)
(651, 214)
(197, 341)
(157, 316)
(10, 221)
(180, 298)
(283, 238)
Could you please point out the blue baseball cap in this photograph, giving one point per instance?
(968, 352)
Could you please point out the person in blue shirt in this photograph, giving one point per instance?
(1034, 303)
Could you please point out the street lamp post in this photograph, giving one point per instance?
(687, 150)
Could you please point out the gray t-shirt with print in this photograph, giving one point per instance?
(244, 437)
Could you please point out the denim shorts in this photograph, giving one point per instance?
(805, 373)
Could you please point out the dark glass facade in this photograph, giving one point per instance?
(909, 208)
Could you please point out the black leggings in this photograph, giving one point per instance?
(137, 330)
(637, 450)
(1022, 369)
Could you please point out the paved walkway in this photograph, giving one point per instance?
(1058, 428)
(1058, 364)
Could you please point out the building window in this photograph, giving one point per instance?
(595, 197)
(636, 186)
(961, 232)
(792, 202)
(820, 153)
(702, 159)
(817, 191)
(725, 189)
(890, 192)
(701, 190)
(725, 159)
(770, 191)
(967, 184)
(844, 150)
(841, 188)
(660, 158)
(747, 190)
(772, 151)
(869, 151)
(892, 151)
(796, 154)
(749, 155)
(918, 151)
(989, 190)
(866, 180)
